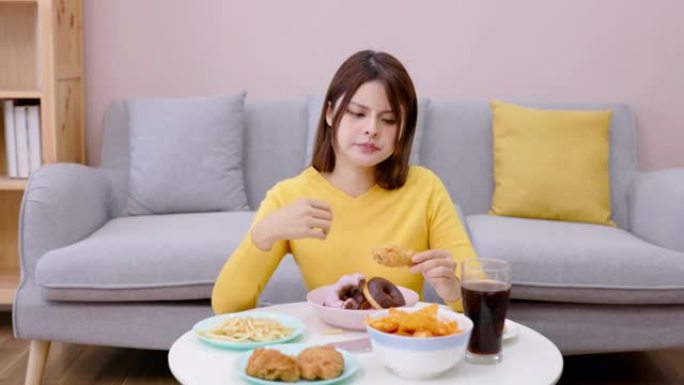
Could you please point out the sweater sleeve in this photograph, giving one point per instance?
(447, 232)
(249, 268)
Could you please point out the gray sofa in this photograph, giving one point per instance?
(91, 275)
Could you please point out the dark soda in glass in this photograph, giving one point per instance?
(485, 302)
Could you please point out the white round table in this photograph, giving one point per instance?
(529, 358)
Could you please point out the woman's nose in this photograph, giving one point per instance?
(372, 128)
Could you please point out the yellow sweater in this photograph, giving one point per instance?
(418, 216)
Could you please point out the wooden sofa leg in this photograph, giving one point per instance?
(36, 362)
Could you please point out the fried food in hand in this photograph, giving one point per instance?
(320, 362)
(393, 256)
(272, 365)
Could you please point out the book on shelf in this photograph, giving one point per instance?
(33, 125)
(10, 147)
(22, 138)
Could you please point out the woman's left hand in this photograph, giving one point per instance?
(439, 269)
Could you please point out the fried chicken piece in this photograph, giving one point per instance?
(320, 362)
(272, 365)
(393, 256)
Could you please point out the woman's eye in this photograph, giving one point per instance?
(389, 121)
(357, 114)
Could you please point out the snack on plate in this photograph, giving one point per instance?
(383, 294)
(318, 362)
(356, 292)
(393, 256)
(272, 365)
(347, 293)
(420, 323)
(248, 329)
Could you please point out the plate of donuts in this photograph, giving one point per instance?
(347, 303)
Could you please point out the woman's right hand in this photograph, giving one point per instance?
(305, 218)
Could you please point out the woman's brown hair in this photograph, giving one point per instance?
(360, 68)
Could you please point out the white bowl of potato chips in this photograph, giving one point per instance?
(419, 343)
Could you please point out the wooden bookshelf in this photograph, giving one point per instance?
(9, 184)
(19, 94)
(41, 47)
(9, 262)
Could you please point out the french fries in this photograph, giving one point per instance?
(420, 323)
(248, 329)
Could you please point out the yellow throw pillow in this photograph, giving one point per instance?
(551, 164)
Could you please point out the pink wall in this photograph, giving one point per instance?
(567, 50)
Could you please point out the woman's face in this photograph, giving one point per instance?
(368, 128)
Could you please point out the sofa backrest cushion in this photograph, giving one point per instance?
(275, 144)
(186, 155)
(457, 145)
(274, 141)
(551, 164)
(115, 153)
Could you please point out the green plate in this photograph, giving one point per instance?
(351, 366)
(210, 323)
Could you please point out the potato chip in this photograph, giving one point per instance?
(420, 323)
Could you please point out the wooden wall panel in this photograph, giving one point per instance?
(69, 128)
(68, 34)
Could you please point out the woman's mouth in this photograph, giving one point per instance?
(368, 148)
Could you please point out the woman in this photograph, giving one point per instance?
(358, 195)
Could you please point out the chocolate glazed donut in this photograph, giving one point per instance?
(382, 294)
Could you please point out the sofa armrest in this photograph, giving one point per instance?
(657, 207)
(63, 203)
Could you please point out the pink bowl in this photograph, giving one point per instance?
(345, 318)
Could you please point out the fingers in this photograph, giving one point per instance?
(427, 266)
(317, 218)
(440, 272)
(318, 204)
(430, 254)
(318, 209)
(321, 214)
(315, 233)
(321, 224)
(439, 269)
(432, 259)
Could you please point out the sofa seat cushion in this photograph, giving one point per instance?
(582, 263)
(144, 258)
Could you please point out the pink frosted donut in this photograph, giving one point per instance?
(345, 289)
(348, 280)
